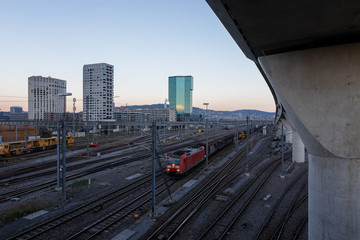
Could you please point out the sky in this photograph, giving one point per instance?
(146, 42)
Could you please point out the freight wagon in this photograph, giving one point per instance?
(22, 147)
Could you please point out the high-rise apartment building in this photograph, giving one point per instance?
(43, 96)
(180, 94)
(98, 92)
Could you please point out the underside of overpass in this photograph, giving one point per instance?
(309, 55)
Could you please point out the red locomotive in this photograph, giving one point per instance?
(183, 160)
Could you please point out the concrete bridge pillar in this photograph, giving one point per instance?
(334, 193)
(298, 149)
(319, 89)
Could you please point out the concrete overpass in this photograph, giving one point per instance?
(309, 54)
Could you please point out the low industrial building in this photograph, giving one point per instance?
(145, 115)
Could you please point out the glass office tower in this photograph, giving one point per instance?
(180, 94)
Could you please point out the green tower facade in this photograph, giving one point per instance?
(180, 94)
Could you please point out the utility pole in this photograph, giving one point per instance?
(74, 108)
(164, 133)
(64, 155)
(247, 148)
(87, 128)
(153, 150)
(282, 175)
(251, 130)
(161, 169)
(58, 157)
(26, 139)
(63, 166)
(93, 133)
(207, 134)
(236, 135)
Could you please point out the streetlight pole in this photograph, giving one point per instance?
(153, 149)
(251, 130)
(74, 108)
(247, 146)
(58, 156)
(87, 128)
(207, 135)
(236, 135)
(63, 168)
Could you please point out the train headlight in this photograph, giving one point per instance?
(178, 170)
(168, 169)
(173, 164)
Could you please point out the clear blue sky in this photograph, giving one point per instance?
(146, 40)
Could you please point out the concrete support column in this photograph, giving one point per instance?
(319, 91)
(298, 149)
(334, 185)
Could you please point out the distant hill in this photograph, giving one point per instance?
(240, 114)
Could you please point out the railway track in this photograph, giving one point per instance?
(50, 183)
(283, 209)
(32, 173)
(36, 171)
(300, 227)
(142, 155)
(79, 144)
(113, 196)
(171, 226)
(112, 220)
(140, 201)
(48, 164)
(104, 224)
(221, 226)
(72, 167)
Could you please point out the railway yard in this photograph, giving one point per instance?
(243, 193)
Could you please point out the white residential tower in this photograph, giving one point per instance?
(43, 96)
(98, 92)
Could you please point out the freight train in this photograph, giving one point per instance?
(181, 161)
(21, 147)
